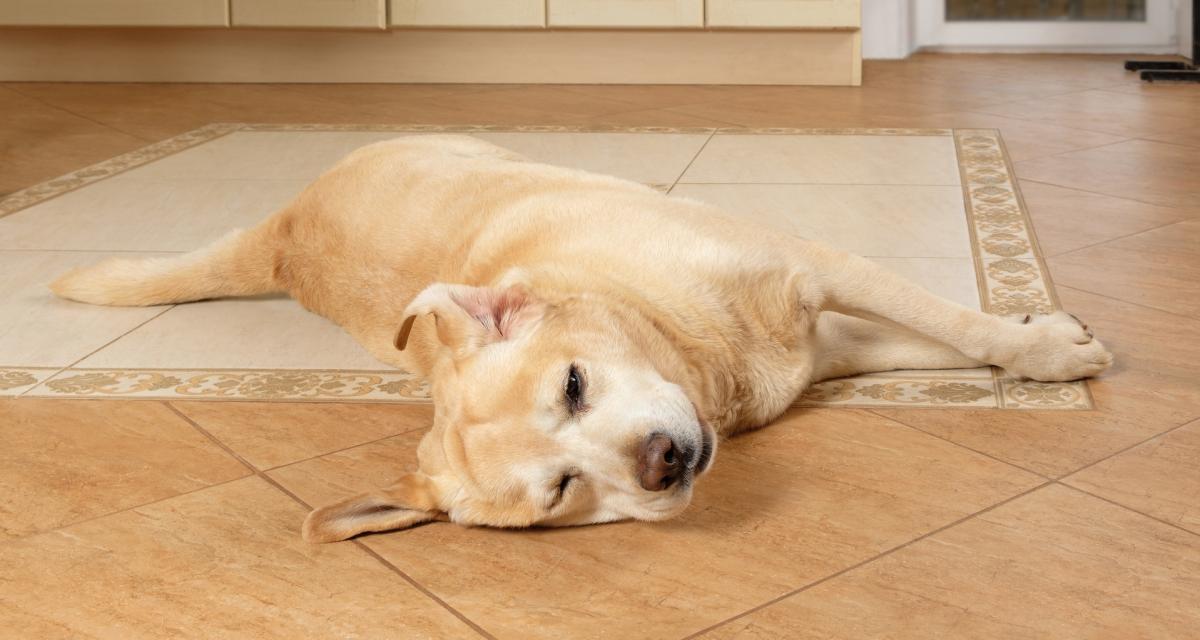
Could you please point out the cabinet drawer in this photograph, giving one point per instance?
(115, 13)
(766, 14)
(626, 13)
(468, 13)
(333, 14)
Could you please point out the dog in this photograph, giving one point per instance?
(588, 339)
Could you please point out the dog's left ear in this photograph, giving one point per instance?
(412, 500)
(469, 317)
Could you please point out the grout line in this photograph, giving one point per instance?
(1101, 193)
(275, 483)
(852, 567)
(1122, 237)
(692, 161)
(97, 350)
(123, 510)
(78, 115)
(1132, 446)
(1128, 508)
(960, 445)
(336, 451)
(1129, 302)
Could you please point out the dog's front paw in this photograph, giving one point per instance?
(1055, 348)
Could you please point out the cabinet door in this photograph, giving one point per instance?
(468, 13)
(342, 14)
(115, 13)
(626, 13)
(784, 13)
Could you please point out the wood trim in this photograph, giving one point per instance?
(493, 56)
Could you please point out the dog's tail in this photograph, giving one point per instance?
(239, 264)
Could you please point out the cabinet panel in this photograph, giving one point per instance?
(468, 13)
(766, 14)
(626, 13)
(115, 13)
(343, 14)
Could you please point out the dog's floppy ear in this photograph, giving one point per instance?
(413, 499)
(469, 317)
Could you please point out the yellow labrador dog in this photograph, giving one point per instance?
(588, 339)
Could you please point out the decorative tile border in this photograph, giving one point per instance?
(16, 201)
(15, 381)
(972, 388)
(235, 384)
(1008, 263)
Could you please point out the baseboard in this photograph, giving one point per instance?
(435, 56)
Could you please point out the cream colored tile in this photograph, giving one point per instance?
(1054, 564)
(274, 434)
(39, 329)
(226, 562)
(950, 278)
(121, 214)
(272, 155)
(899, 221)
(657, 158)
(249, 333)
(835, 159)
(1159, 478)
(808, 496)
(63, 462)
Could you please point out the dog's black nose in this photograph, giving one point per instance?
(660, 462)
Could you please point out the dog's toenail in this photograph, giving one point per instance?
(1027, 319)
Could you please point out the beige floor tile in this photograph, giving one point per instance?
(1054, 564)
(870, 220)
(1158, 268)
(1151, 388)
(39, 329)
(838, 159)
(39, 142)
(157, 110)
(647, 158)
(332, 477)
(808, 496)
(528, 104)
(1162, 117)
(63, 462)
(951, 278)
(224, 562)
(1069, 219)
(122, 214)
(1153, 172)
(1024, 139)
(260, 155)
(1159, 478)
(246, 333)
(272, 434)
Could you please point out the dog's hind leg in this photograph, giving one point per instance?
(239, 264)
(849, 346)
(1053, 347)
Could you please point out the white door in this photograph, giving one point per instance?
(1121, 26)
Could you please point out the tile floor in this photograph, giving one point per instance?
(151, 518)
(895, 196)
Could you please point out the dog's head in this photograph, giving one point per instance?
(547, 412)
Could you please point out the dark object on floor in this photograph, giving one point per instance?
(1169, 70)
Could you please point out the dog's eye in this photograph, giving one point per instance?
(573, 389)
(560, 490)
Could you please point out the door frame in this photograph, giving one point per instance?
(1157, 34)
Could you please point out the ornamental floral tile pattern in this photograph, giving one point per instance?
(1010, 272)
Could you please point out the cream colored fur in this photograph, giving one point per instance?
(494, 276)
